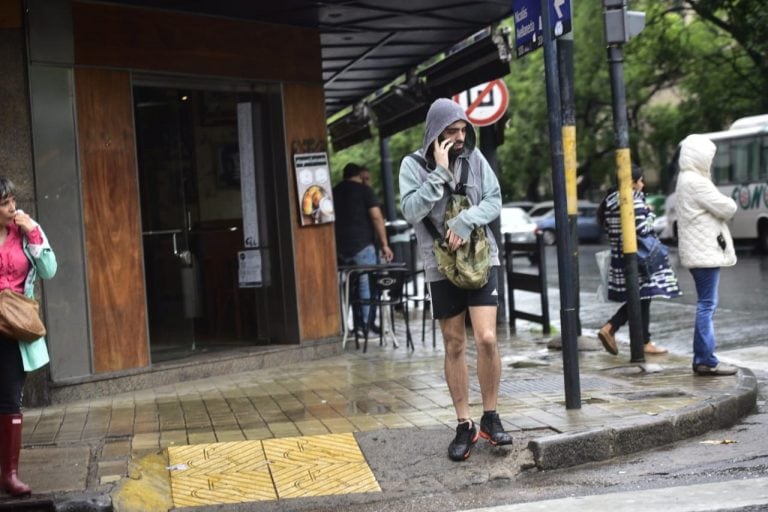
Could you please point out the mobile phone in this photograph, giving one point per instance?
(721, 241)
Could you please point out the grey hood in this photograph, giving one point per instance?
(443, 113)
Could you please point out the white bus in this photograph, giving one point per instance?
(740, 171)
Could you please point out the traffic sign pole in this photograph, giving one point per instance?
(565, 72)
(624, 175)
(564, 240)
(529, 22)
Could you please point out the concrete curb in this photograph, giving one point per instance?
(571, 449)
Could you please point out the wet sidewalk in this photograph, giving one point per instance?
(364, 428)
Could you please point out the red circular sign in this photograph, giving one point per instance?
(484, 103)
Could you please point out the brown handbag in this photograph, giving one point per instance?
(20, 317)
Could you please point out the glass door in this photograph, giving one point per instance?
(166, 164)
(209, 282)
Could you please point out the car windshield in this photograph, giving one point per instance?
(547, 214)
(540, 211)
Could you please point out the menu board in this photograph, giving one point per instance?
(313, 178)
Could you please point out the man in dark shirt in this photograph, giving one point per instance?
(359, 223)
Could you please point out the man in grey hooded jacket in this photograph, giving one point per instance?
(449, 140)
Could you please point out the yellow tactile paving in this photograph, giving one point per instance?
(272, 469)
(318, 466)
(217, 473)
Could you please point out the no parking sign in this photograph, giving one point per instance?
(484, 103)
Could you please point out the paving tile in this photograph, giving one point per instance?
(311, 427)
(178, 435)
(226, 435)
(365, 423)
(106, 468)
(119, 449)
(145, 442)
(255, 434)
(339, 425)
(56, 469)
(394, 421)
(283, 429)
(201, 436)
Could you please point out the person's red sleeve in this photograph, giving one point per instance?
(35, 237)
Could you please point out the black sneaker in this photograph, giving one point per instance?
(492, 429)
(466, 436)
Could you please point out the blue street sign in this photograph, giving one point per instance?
(528, 23)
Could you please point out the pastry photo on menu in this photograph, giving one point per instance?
(315, 196)
(317, 204)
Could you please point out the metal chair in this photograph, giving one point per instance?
(388, 290)
(425, 300)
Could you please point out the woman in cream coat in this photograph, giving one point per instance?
(705, 243)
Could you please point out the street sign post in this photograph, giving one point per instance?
(484, 103)
(528, 22)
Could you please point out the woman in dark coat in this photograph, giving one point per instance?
(662, 283)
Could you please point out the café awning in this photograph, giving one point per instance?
(366, 44)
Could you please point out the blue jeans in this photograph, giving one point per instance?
(707, 281)
(367, 256)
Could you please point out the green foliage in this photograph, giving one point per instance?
(697, 66)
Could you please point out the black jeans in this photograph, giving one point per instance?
(12, 376)
(620, 318)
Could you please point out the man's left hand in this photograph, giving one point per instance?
(454, 240)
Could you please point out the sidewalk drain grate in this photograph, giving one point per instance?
(650, 395)
(553, 383)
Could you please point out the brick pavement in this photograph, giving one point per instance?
(385, 389)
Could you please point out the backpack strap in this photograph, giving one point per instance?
(419, 160)
(461, 186)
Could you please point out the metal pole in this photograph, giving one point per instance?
(564, 241)
(568, 105)
(627, 204)
(387, 183)
(488, 149)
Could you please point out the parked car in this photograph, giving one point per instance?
(521, 229)
(587, 228)
(517, 223)
(525, 205)
(540, 210)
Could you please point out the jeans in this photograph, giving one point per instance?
(707, 281)
(367, 256)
